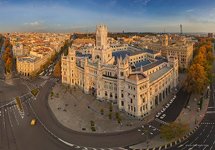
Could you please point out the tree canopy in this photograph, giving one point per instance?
(57, 69)
(173, 131)
(200, 71)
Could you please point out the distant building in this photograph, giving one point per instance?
(30, 65)
(165, 40)
(176, 46)
(138, 80)
(20, 50)
(210, 35)
(33, 50)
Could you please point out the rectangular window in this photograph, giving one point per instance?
(122, 95)
(122, 103)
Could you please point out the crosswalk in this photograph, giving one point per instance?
(10, 119)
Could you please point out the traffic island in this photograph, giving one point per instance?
(35, 92)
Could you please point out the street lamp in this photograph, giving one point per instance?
(208, 88)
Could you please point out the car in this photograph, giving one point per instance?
(33, 122)
(174, 97)
(158, 114)
(41, 73)
(163, 109)
(167, 105)
(163, 116)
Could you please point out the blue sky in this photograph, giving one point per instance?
(119, 15)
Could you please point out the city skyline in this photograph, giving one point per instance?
(119, 15)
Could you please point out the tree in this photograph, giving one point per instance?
(200, 72)
(173, 131)
(200, 59)
(210, 57)
(8, 65)
(57, 69)
(196, 78)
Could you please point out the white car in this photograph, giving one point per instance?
(163, 116)
(158, 114)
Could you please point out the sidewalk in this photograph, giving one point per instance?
(190, 116)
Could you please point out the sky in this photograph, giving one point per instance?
(118, 15)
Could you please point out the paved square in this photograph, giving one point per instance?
(76, 110)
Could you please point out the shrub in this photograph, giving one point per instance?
(92, 123)
(110, 107)
(102, 111)
(52, 93)
(93, 129)
(117, 115)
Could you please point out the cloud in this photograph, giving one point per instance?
(189, 10)
(35, 23)
(143, 2)
(196, 20)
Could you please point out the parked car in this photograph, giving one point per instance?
(163, 116)
(158, 114)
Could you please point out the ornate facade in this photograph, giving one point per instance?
(137, 80)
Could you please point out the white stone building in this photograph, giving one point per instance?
(137, 80)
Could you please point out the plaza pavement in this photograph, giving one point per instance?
(75, 110)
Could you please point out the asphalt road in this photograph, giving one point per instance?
(175, 108)
(16, 133)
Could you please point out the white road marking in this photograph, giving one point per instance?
(210, 112)
(211, 107)
(9, 119)
(3, 119)
(15, 116)
(212, 145)
(208, 134)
